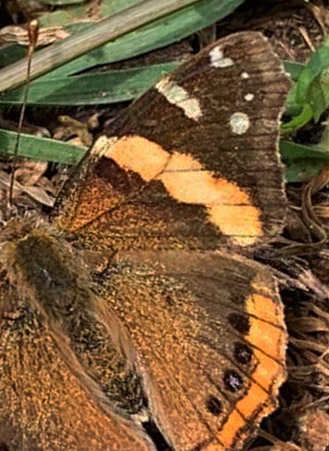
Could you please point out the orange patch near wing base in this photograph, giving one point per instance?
(229, 206)
(269, 373)
(134, 154)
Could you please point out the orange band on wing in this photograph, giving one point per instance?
(268, 374)
(229, 206)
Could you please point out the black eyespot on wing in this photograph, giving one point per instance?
(239, 322)
(214, 405)
(242, 353)
(233, 381)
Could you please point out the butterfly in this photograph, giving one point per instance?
(135, 318)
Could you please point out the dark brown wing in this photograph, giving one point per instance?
(194, 161)
(191, 164)
(43, 406)
(210, 339)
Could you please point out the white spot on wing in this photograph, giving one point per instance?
(239, 123)
(248, 97)
(245, 75)
(217, 58)
(178, 96)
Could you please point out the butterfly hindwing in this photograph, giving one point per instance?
(210, 339)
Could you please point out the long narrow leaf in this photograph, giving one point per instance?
(294, 151)
(170, 28)
(90, 89)
(42, 149)
(159, 33)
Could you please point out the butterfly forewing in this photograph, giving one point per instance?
(193, 162)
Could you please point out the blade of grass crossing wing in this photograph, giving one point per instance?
(44, 149)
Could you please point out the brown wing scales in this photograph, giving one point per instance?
(43, 406)
(191, 163)
(177, 308)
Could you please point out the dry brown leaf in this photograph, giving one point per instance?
(13, 34)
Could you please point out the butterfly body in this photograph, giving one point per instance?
(174, 326)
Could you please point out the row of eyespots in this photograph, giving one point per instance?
(243, 354)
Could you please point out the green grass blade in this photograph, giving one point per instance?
(159, 33)
(42, 149)
(62, 2)
(65, 17)
(91, 89)
(292, 151)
